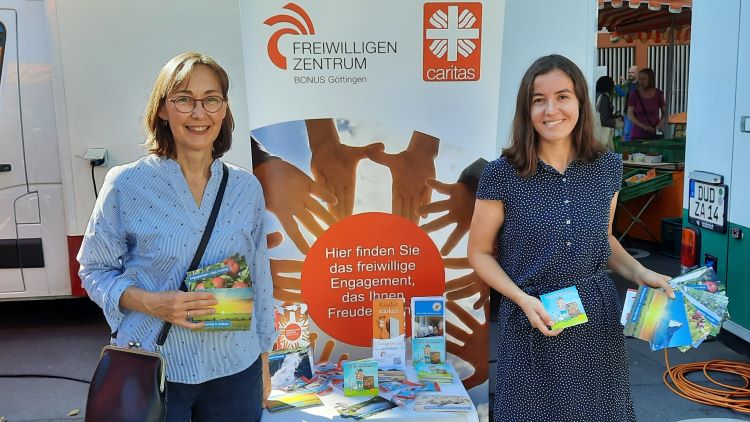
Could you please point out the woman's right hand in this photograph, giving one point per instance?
(175, 306)
(537, 315)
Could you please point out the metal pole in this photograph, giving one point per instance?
(670, 69)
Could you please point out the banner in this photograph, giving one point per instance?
(369, 123)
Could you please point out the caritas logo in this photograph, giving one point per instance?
(452, 42)
(301, 25)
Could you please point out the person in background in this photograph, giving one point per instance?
(145, 229)
(604, 106)
(647, 108)
(632, 85)
(543, 222)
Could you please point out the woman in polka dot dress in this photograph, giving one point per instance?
(543, 222)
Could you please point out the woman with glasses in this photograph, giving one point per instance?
(145, 229)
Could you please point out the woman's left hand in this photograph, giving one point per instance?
(655, 280)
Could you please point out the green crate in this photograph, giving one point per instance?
(628, 192)
(671, 150)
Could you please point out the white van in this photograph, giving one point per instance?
(74, 77)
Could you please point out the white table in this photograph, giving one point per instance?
(327, 412)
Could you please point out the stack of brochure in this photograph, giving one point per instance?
(697, 311)
(434, 372)
(442, 403)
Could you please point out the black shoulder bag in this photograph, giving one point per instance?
(129, 384)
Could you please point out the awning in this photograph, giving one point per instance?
(646, 19)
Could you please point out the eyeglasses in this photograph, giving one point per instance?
(185, 104)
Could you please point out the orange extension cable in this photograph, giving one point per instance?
(728, 396)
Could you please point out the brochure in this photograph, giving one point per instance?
(293, 325)
(295, 400)
(428, 316)
(361, 378)
(659, 320)
(286, 368)
(388, 333)
(441, 403)
(291, 357)
(230, 283)
(628, 305)
(428, 350)
(565, 307)
(364, 409)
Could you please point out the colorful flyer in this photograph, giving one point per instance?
(361, 378)
(388, 333)
(428, 350)
(229, 281)
(428, 316)
(293, 325)
(565, 307)
(295, 400)
(659, 320)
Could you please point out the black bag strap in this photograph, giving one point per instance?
(201, 246)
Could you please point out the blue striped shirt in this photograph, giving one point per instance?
(144, 231)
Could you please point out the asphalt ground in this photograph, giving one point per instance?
(64, 337)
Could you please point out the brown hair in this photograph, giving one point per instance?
(159, 138)
(523, 150)
(651, 77)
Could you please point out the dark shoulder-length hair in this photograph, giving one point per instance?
(651, 77)
(524, 142)
(159, 138)
(605, 84)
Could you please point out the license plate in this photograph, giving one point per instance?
(708, 204)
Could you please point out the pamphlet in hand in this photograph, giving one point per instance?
(229, 281)
(659, 320)
(565, 307)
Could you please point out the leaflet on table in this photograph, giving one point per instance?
(229, 281)
(295, 400)
(659, 320)
(360, 378)
(388, 333)
(364, 409)
(434, 372)
(565, 307)
(428, 350)
(442, 403)
(291, 357)
(427, 329)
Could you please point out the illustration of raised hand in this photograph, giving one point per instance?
(470, 344)
(460, 207)
(325, 354)
(290, 194)
(410, 169)
(334, 165)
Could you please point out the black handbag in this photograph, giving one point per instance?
(129, 384)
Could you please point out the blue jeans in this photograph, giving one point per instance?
(232, 398)
(626, 126)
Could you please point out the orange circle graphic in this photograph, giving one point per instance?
(361, 258)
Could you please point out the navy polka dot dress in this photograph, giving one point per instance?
(554, 236)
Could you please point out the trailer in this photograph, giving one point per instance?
(716, 205)
(74, 78)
